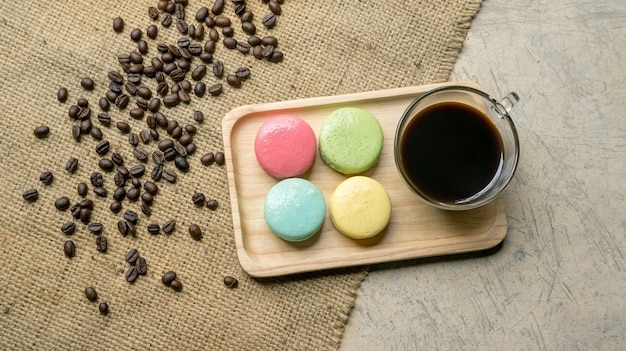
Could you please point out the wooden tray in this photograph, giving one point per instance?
(415, 230)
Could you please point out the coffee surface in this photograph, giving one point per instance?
(451, 151)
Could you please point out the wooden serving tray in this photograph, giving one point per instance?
(415, 230)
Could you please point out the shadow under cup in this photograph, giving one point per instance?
(456, 147)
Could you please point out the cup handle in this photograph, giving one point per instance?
(509, 101)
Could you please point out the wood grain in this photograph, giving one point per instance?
(415, 229)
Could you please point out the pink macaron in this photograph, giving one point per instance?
(285, 146)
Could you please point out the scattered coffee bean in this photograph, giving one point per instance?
(198, 199)
(85, 215)
(248, 27)
(102, 148)
(222, 21)
(140, 154)
(233, 81)
(254, 40)
(87, 83)
(103, 308)
(86, 203)
(137, 170)
(243, 47)
(147, 198)
(82, 189)
(212, 204)
(276, 57)
(41, 132)
(100, 191)
(195, 231)
(96, 179)
(269, 21)
(131, 275)
(69, 248)
(122, 101)
(199, 89)
(104, 119)
(228, 31)
(96, 133)
(242, 72)
(246, 16)
(230, 282)
(71, 165)
(142, 267)
(219, 158)
(218, 69)
(131, 216)
(115, 206)
(181, 163)
(169, 175)
(146, 209)
(123, 227)
(106, 164)
(170, 100)
(176, 285)
(62, 203)
(191, 148)
(46, 177)
(132, 194)
(168, 277)
(62, 94)
(131, 256)
(154, 228)
(257, 52)
(101, 243)
(207, 159)
(68, 228)
(169, 226)
(133, 139)
(135, 34)
(274, 7)
(95, 228)
(91, 294)
(118, 24)
(229, 42)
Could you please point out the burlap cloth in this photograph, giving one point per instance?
(330, 47)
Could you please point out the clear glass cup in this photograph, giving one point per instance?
(496, 111)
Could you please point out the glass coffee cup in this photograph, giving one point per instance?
(456, 147)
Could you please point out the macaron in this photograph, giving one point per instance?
(350, 140)
(285, 146)
(294, 209)
(360, 207)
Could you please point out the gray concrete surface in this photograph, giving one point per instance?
(558, 281)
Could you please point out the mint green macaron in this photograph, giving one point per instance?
(294, 209)
(350, 140)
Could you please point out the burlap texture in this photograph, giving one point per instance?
(330, 47)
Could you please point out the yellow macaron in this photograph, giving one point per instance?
(360, 207)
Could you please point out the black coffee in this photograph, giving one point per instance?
(451, 151)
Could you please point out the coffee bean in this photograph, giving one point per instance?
(154, 228)
(76, 132)
(123, 227)
(115, 206)
(46, 177)
(243, 47)
(212, 204)
(267, 51)
(96, 179)
(86, 203)
(180, 151)
(195, 232)
(69, 248)
(156, 173)
(62, 203)
(246, 16)
(274, 7)
(141, 154)
(82, 189)
(169, 226)
(131, 256)
(184, 96)
(100, 191)
(91, 294)
(146, 209)
(168, 277)
(166, 20)
(147, 198)
(185, 140)
(119, 193)
(122, 101)
(209, 21)
(82, 102)
(142, 46)
(209, 45)
(133, 139)
(276, 57)
(233, 81)
(228, 31)
(75, 211)
(206, 57)
(182, 26)
(131, 86)
(198, 116)
(135, 34)
(170, 100)
(181, 163)
(85, 126)
(154, 105)
(176, 285)
(242, 72)
(41, 132)
(104, 119)
(207, 159)
(199, 89)
(131, 216)
(96, 133)
(101, 243)
(87, 83)
(219, 158)
(131, 275)
(165, 144)
(118, 24)
(248, 27)
(179, 9)
(144, 136)
(169, 175)
(120, 179)
(132, 194)
(230, 282)
(222, 21)
(198, 199)
(68, 228)
(123, 127)
(62, 94)
(240, 7)
(218, 69)
(230, 42)
(106, 164)
(141, 266)
(215, 89)
(71, 165)
(199, 72)
(102, 148)
(95, 228)
(103, 308)
(151, 188)
(137, 170)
